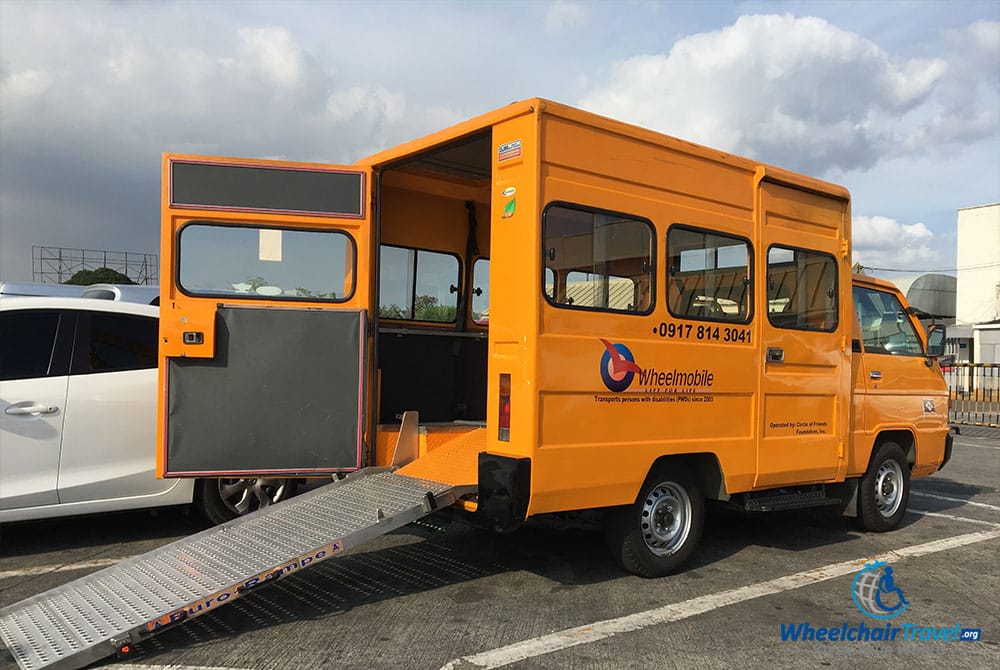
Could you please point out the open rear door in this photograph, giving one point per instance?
(263, 316)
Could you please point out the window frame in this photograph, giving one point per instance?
(608, 212)
(884, 352)
(751, 287)
(413, 289)
(836, 287)
(235, 295)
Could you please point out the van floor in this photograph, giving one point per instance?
(451, 456)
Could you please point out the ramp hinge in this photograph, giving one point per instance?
(430, 503)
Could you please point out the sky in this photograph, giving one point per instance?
(897, 101)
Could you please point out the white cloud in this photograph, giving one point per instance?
(798, 92)
(881, 242)
(277, 57)
(565, 14)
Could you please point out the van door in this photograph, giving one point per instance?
(264, 308)
(806, 371)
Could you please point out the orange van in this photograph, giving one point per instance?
(553, 309)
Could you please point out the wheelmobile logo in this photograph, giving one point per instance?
(619, 370)
(877, 596)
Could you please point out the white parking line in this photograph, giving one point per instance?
(61, 567)
(980, 446)
(959, 500)
(545, 644)
(922, 512)
(135, 666)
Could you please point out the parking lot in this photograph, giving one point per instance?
(441, 594)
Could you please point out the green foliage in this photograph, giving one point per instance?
(306, 293)
(392, 312)
(426, 308)
(98, 276)
(441, 313)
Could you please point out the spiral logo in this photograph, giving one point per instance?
(618, 366)
(875, 592)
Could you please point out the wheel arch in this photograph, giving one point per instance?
(705, 467)
(903, 437)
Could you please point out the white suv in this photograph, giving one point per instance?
(78, 416)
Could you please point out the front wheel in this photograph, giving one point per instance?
(885, 489)
(222, 500)
(656, 535)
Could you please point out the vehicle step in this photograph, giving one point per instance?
(772, 502)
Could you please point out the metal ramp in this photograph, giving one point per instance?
(108, 611)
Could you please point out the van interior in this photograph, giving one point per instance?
(433, 284)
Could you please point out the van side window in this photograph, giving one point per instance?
(801, 289)
(417, 285)
(885, 329)
(597, 260)
(709, 275)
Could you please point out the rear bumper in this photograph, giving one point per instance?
(948, 440)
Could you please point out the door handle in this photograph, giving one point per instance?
(16, 410)
(875, 374)
(775, 355)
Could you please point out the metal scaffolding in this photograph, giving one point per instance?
(55, 265)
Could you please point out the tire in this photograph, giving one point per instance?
(884, 491)
(222, 500)
(656, 535)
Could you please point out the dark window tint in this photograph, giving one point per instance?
(26, 343)
(119, 342)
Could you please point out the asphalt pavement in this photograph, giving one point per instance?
(444, 595)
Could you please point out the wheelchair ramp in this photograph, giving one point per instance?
(108, 611)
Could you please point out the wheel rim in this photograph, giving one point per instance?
(665, 519)
(246, 495)
(889, 488)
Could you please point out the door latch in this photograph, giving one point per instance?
(775, 355)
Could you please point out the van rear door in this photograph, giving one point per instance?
(263, 328)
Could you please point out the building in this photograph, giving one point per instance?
(975, 337)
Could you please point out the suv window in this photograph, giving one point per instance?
(27, 340)
(885, 329)
(110, 342)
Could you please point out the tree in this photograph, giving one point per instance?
(98, 276)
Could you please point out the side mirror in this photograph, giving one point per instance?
(935, 342)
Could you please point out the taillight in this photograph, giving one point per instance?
(504, 418)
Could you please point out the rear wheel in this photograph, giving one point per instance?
(884, 490)
(655, 535)
(221, 500)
